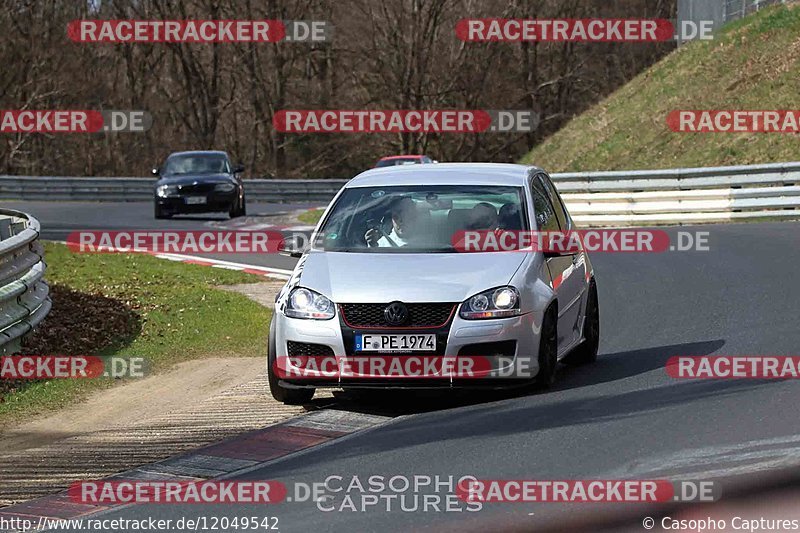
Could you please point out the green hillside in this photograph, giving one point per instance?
(754, 64)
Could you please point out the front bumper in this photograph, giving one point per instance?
(214, 202)
(506, 351)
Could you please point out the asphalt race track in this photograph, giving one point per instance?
(620, 418)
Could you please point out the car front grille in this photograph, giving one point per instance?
(420, 315)
(200, 188)
(307, 349)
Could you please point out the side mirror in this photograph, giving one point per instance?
(154, 171)
(292, 248)
(238, 168)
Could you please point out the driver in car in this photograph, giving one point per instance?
(404, 219)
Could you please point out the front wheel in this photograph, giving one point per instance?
(237, 208)
(160, 213)
(280, 393)
(548, 351)
(586, 352)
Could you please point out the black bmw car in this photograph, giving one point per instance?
(199, 182)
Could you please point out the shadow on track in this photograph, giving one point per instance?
(609, 367)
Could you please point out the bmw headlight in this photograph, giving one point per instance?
(166, 190)
(224, 187)
(501, 302)
(305, 303)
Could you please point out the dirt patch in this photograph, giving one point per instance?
(81, 323)
(195, 403)
(263, 293)
(183, 385)
(78, 324)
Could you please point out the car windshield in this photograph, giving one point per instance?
(417, 219)
(398, 161)
(196, 164)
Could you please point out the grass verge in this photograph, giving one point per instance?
(179, 314)
(311, 216)
(753, 64)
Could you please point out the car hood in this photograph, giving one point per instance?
(188, 179)
(376, 277)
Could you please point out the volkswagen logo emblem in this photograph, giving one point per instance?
(396, 314)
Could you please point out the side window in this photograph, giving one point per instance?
(545, 216)
(561, 211)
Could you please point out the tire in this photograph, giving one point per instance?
(243, 211)
(586, 352)
(548, 351)
(237, 209)
(160, 214)
(282, 394)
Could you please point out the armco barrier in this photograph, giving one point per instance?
(141, 189)
(24, 299)
(684, 195)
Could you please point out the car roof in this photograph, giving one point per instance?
(200, 152)
(445, 174)
(407, 156)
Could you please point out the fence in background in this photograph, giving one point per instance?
(24, 300)
(721, 11)
(674, 196)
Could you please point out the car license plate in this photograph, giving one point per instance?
(194, 200)
(396, 343)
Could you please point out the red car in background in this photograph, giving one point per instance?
(411, 159)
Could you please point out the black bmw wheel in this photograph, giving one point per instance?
(160, 213)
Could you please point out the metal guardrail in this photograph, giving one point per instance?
(24, 300)
(684, 195)
(141, 189)
(690, 195)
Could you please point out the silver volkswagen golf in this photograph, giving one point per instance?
(383, 277)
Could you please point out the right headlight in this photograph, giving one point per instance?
(501, 302)
(305, 303)
(224, 187)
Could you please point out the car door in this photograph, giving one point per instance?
(562, 267)
(573, 282)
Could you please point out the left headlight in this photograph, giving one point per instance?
(224, 187)
(166, 190)
(501, 302)
(305, 303)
